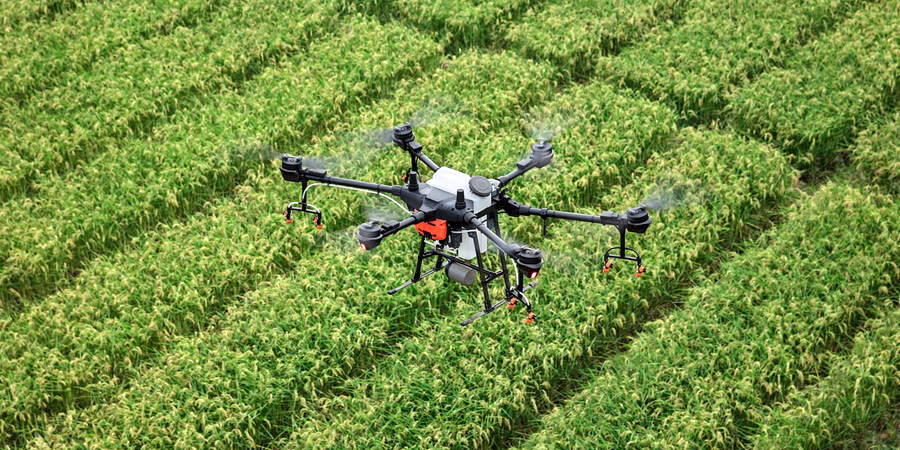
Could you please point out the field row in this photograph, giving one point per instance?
(62, 127)
(805, 76)
(718, 47)
(574, 33)
(829, 90)
(136, 330)
(455, 24)
(200, 153)
(857, 391)
(761, 329)
(37, 57)
(479, 386)
(16, 14)
(75, 346)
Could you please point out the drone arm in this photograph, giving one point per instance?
(321, 177)
(541, 155)
(636, 220)
(605, 218)
(521, 167)
(510, 249)
(413, 219)
(415, 151)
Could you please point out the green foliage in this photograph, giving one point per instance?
(200, 153)
(828, 90)
(573, 33)
(859, 388)
(25, 14)
(719, 46)
(876, 154)
(89, 112)
(171, 281)
(455, 23)
(746, 338)
(36, 57)
(154, 297)
(448, 386)
(308, 292)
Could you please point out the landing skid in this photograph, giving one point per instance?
(514, 293)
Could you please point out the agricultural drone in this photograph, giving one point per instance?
(456, 214)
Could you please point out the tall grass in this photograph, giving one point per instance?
(24, 14)
(858, 389)
(876, 154)
(200, 153)
(763, 328)
(457, 24)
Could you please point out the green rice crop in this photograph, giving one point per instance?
(876, 154)
(200, 153)
(186, 316)
(574, 33)
(151, 294)
(474, 387)
(829, 90)
(62, 127)
(457, 24)
(36, 58)
(123, 306)
(315, 370)
(720, 46)
(859, 388)
(762, 328)
(18, 14)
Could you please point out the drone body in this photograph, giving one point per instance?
(457, 214)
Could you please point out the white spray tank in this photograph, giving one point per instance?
(449, 180)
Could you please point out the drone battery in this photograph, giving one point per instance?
(461, 274)
(435, 229)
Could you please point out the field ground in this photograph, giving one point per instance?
(151, 294)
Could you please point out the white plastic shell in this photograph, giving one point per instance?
(449, 180)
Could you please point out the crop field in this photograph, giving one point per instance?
(153, 296)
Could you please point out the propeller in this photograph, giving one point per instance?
(433, 112)
(669, 194)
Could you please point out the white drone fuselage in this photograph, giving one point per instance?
(449, 180)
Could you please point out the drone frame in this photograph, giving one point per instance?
(528, 261)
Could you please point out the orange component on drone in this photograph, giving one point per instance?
(436, 229)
